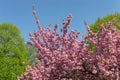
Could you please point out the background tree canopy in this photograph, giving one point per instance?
(32, 54)
(104, 20)
(13, 52)
(116, 17)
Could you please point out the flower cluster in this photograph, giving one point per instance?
(64, 57)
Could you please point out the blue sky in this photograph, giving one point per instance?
(19, 13)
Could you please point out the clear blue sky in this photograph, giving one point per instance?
(19, 12)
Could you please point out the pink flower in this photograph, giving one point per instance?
(65, 57)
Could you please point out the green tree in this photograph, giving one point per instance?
(32, 54)
(104, 20)
(115, 18)
(13, 52)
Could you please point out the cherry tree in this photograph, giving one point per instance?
(64, 57)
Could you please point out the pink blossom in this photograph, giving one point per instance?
(64, 57)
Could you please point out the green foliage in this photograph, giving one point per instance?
(32, 54)
(91, 46)
(105, 20)
(13, 52)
